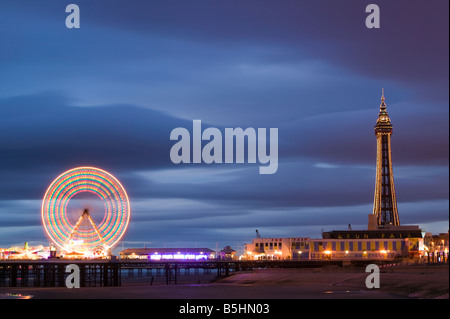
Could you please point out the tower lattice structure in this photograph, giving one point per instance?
(385, 202)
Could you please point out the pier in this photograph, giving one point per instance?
(53, 273)
(106, 273)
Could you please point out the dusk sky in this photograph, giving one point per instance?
(109, 93)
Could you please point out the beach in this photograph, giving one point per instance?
(401, 282)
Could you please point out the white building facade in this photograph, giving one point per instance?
(277, 248)
(341, 246)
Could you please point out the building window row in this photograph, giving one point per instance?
(270, 245)
(358, 245)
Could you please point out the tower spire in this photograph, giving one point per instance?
(383, 104)
(383, 118)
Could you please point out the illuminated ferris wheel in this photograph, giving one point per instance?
(85, 209)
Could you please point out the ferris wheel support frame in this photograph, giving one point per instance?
(80, 220)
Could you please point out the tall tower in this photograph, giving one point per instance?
(385, 203)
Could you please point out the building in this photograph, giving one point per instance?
(277, 248)
(401, 242)
(168, 253)
(384, 238)
(436, 247)
(337, 245)
(227, 253)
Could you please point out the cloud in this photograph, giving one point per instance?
(227, 58)
(348, 136)
(55, 133)
(46, 136)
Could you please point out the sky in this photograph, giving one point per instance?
(108, 95)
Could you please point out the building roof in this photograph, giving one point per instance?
(151, 251)
(228, 250)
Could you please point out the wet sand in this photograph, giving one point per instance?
(422, 282)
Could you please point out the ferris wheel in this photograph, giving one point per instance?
(85, 209)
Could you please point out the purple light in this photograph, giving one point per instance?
(177, 256)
